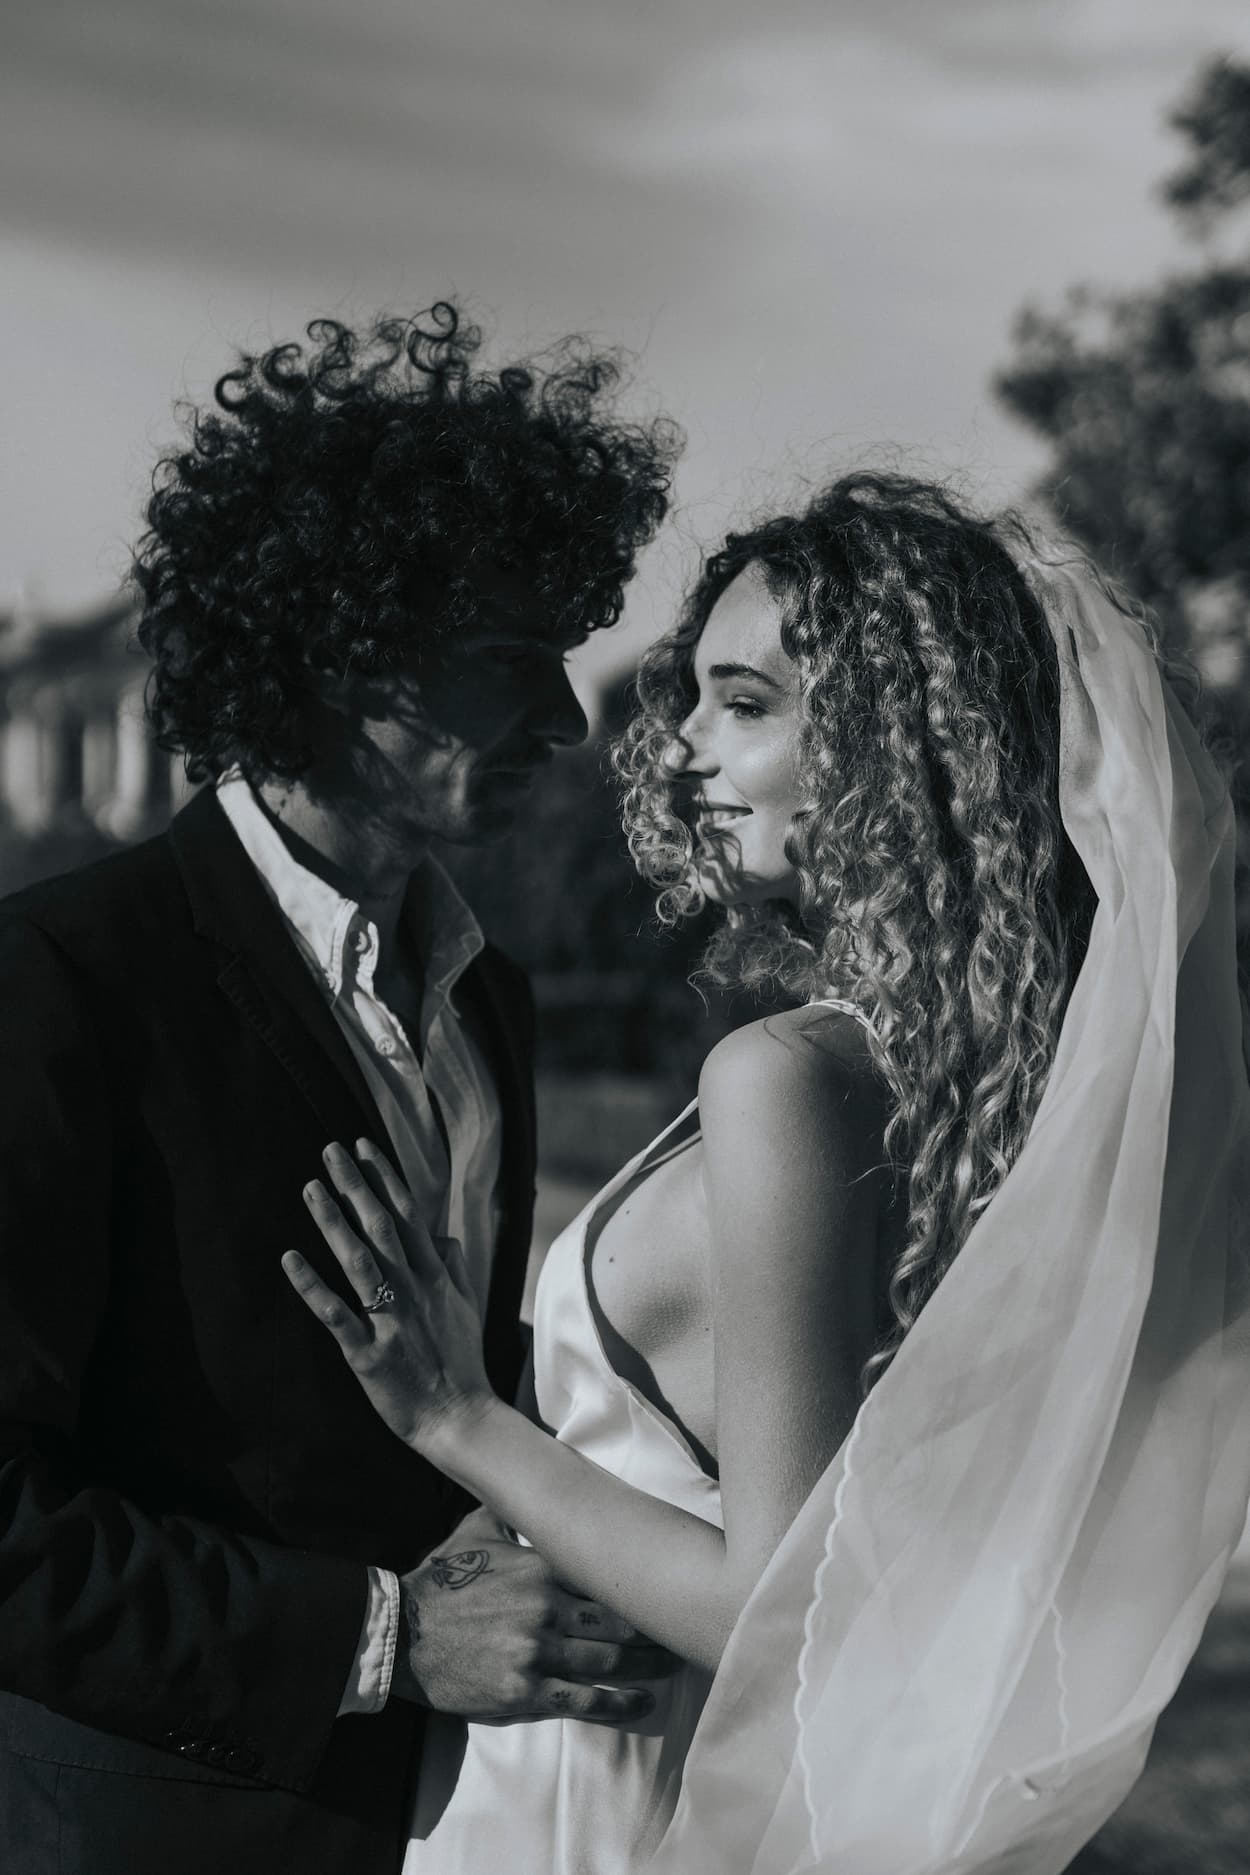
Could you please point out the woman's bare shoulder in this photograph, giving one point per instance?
(804, 1075)
(803, 1049)
(797, 1179)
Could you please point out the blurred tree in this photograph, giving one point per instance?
(1144, 399)
(1215, 120)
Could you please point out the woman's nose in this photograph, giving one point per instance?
(684, 755)
(676, 757)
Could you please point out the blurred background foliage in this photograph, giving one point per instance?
(1143, 400)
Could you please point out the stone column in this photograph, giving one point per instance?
(23, 767)
(99, 765)
(129, 807)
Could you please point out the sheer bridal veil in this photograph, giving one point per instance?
(955, 1661)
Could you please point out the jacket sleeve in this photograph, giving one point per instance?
(160, 1628)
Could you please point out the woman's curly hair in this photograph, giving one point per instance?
(939, 891)
(331, 513)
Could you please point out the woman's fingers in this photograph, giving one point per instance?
(421, 1354)
(385, 1233)
(374, 1216)
(451, 1255)
(604, 1705)
(355, 1257)
(386, 1182)
(331, 1310)
(591, 1621)
(595, 1662)
(386, 1187)
(384, 1205)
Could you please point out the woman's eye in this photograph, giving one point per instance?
(746, 706)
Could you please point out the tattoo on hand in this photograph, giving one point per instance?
(456, 1572)
(560, 1697)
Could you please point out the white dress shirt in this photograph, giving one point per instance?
(457, 1192)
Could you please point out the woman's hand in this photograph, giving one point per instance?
(416, 1345)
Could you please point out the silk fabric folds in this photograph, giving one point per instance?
(954, 1663)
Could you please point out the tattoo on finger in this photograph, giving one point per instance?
(588, 1620)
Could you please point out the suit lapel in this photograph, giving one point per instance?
(263, 974)
(274, 991)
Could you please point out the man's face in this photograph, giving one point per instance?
(450, 750)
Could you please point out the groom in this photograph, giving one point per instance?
(227, 1594)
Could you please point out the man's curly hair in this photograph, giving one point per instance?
(939, 891)
(337, 509)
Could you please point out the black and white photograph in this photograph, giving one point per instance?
(625, 937)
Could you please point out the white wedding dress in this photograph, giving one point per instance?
(561, 1796)
(954, 1662)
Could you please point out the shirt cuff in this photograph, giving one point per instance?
(369, 1682)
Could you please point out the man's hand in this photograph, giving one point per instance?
(487, 1632)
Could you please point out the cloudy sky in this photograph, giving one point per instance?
(814, 222)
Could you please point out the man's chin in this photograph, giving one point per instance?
(498, 803)
(484, 822)
(480, 832)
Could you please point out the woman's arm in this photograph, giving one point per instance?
(790, 1146)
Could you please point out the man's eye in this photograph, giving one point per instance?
(510, 654)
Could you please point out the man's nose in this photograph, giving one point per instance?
(564, 719)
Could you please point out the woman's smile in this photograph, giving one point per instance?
(737, 749)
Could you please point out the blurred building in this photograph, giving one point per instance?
(76, 753)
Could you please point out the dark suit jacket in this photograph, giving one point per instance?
(191, 1481)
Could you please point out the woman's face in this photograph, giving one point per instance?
(737, 750)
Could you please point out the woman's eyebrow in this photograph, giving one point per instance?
(744, 670)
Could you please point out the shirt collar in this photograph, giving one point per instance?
(446, 934)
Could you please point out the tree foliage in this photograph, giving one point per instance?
(1144, 399)
(1215, 123)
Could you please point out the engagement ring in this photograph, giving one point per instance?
(381, 1296)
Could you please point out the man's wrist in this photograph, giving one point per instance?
(369, 1681)
(404, 1681)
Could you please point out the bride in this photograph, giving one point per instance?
(901, 1387)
